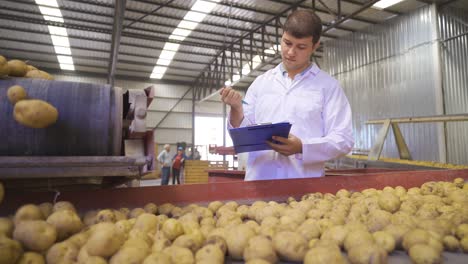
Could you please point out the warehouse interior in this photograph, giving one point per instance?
(130, 77)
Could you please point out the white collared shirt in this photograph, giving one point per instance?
(316, 106)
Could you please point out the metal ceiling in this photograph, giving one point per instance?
(123, 38)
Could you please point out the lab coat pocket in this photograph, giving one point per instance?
(308, 106)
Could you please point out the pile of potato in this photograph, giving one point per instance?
(19, 68)
(367, 225)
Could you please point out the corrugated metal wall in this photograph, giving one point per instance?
(388, 71)
(452, 23)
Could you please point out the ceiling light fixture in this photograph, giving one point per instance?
(386, 3)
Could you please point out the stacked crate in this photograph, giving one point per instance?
(196, 171)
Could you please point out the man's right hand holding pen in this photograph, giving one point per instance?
(233, 98)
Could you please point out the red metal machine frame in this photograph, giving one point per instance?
(243, 192)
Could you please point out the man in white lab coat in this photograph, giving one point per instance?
(299, 92)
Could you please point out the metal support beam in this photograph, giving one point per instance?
(119, 12)
(361, 9)
(173, 107)
(147, 14)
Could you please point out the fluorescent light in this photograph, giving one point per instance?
(156, 76)
(50, 11)
(176, 37)
(181, 32)
(61, 31)
(62, 50)
(203, 6)
(236, 77)
(65, 59)
(227, 83)
(69, 67)
(60, 41)
(55, 19)
(194, 16)
(159, 69)
(270, 51)
(382, 4)
(167, 54)
(187, 24)
(163, 62)
(52, 3)
(171, 46)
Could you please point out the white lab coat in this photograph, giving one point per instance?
(315, 105)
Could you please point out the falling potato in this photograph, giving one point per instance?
(35, 113)
(16, 93)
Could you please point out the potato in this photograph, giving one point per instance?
(10, 250)
(151, 208)
(95, 260)
(38, 74)
(62, 253)
(324, 255)
(16, 93)
(389, 202)
(136, 212)
(6, 227)
(218, 241)
(46, 209)
(179, 255)
(237, 238)
(357, 237)
(451, 243)
(36, 235)
(378, 220)
(66, 223)
(464, 244)
(4, 68)
(422, 254)
(79, 239)
(384, 240)
(146, 222)
(138, 234)
(35, 113)
(160, 242)
(172, 229)
(30, 67)
(290, 246)
(186, 241)
(260, 247)
(367, 253)
(28, 212)
(462, 231)
(257, 261)
(209, 254)
(415, 236)
(336, 234)
(397, 232)
(136, 242)
(128, 255)
(206, 230)
(31, 258)
(104, 241)
(106, 215)
(119, 215)
(158, 258)
(17, 68)
(165, 209)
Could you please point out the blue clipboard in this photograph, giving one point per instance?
(252, 138)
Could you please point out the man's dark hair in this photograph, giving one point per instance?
(302, 24)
